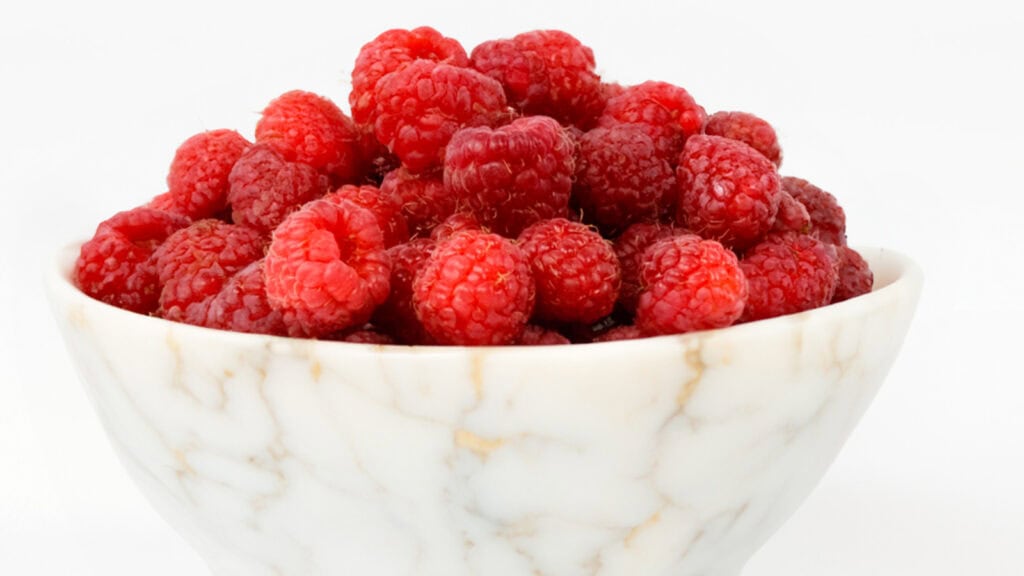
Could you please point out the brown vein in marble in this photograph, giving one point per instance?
(480, 446)
(639, 528)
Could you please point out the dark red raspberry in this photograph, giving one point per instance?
(576, 272)
(855, 276)
(377, 160)
(689, 284)
(475, 290)
(728, 191)
(667, 113)
(424, 200)
(391, 51)
(629, 248)
(196, 262)
(264, 188)
(116, 265)
(242, 305)
(828, 220)
(396, 315)
(386, 208)
(539, 336)
(792, 216)
(364, 336)
(310, 129)
(452, 225)
(788, 273)
(327, 268)
(420, 106)
(628, 332)
(198, 179)
(544, 72)
(621, 179)
(749, 129)
(512, 176)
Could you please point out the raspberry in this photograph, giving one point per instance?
(576, 272)
(689, 284)
(197, 181)
(391, 51)
(621, 179)
(242, 305)
(792, 215)
(544, 72)
(196, 262)
(458, 222)
(476, 289)
(264, 188)
(512, 176)
(728, 191)
(539, 336)
(628, 332)
(310, 129)
(788, 273)
(116, 266)
(424, 201)
(385, 208)
(828, 220)
(420, 106)
(855, 276)
(377, 160)
(629, 248)
(397, 315)
(667, 113)
(749, 129)
(327, 268)
(364, 336)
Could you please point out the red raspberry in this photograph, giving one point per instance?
(310, 129)
(667, 113)
(621, 179)
(792, 215)
(689, 284)
(855, 276)
(728, 191)
(629, 332)
(828, 220)
(242, 305)
(397, 315)
(629, 248)
(458, 222)
(116, 265)
(364, 336)
(512, 176)
(196, 262)
(420, 106)
(327, 268)
(391, 51)
(576, 272)
(788, 273)
(539, 336)
(749, 129)
(475, 290)
(264, 188)
(198, 179)
(424, 201)
(384, 207)
(544, 72)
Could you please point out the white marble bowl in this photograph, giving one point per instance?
(671, 456)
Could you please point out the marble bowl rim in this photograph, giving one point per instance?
(902, 269)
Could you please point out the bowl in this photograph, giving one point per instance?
(676, 455)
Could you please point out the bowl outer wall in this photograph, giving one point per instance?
(672, 455)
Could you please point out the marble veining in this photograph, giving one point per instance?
(673, 456)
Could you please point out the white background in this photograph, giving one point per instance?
(910, 112)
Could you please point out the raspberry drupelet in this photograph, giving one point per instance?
(423, 199)
(855, 276)
(667, 113)
(789, 273)
(535, 335)
(117, 265)
(197, 182)
(749, 129)
(513, 176)
(727, 191)
(629, 248)
(264, 188)
(476, 290)
(242, 305)
(452, 225)
(327, 268)
(384, 207)
(689, 284)
(792, 215)
(828, 220)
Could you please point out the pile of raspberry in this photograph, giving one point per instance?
(507, 195)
